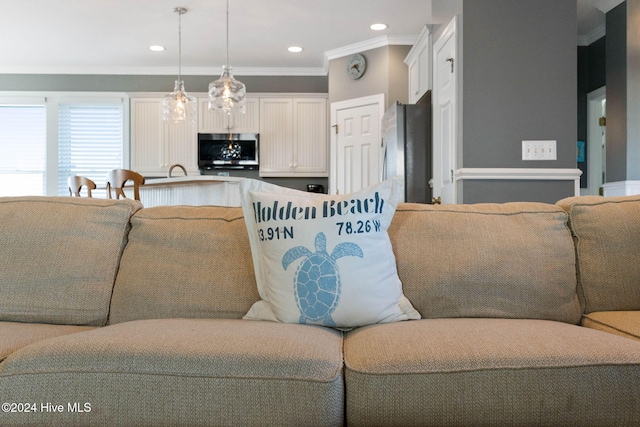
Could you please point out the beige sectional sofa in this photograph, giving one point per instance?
(111, 314)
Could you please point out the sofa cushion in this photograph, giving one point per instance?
(324, 259)
(468, 372)
(185, 261)
(185, 372)
(607, 236)
(59, 257)
(15, 335)
(623, 323)
(513, 260)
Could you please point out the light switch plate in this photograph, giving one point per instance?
(539, 150)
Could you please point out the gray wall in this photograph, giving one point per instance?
(135, 83)
(386, 73)
(442, 12)
(616, 94)
(633, 89)
(623, 92)
(519, 82)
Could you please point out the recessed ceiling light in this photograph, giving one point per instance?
(378, 27)
(156, 48)
(295, 49)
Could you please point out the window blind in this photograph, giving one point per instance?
(23, 144)
(90, 142)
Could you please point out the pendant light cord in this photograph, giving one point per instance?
(227, 34)
(180, 12)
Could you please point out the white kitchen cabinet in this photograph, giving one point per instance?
(293, 137)
(156, 145)
(419, 62)
(216, 122)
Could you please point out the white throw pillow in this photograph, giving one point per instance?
(324, 259)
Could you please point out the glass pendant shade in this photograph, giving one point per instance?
(178, 106)
(227, 94)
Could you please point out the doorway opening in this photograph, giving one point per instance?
(596, 149)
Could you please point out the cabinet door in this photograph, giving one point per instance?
(414, 81)
(210, 121)
(419, 62)
(148, 156)
(310, 146)
(181, 147)
(156, 145)
(248, 122)
(276, 136)
(216, 122)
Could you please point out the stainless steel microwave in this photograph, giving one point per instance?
(228, 151)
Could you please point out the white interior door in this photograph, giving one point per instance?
(355, 144)
(445, 113)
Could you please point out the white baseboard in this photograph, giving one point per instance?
(621, 188)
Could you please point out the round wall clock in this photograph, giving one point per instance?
(356, 66)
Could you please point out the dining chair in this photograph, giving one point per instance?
(118, 177)
(76, 183)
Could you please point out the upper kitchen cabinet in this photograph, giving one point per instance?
(293, 137)
(156, 145)
(216, 122)
(419, 62)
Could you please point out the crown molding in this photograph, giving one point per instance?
(368, 45)
(214, 71)
(375, 43)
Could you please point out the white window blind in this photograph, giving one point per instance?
(90, 142)
(23, 144)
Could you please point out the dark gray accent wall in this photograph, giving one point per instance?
(616, 58)
(519, 83)
(494, 191)
(633, 89)
(592, 75)
(592, 72)
(139, 83)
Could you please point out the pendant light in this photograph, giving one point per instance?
(178, 106)
(227, 94)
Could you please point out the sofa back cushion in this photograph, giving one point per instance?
(513, 260)
(607, 238)
(185, 261)
(59, 257)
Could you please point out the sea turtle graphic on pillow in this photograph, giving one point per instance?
(317, 284)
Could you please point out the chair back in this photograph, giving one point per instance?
(117, 178)
(76, 183)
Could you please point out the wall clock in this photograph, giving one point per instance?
(356, 66)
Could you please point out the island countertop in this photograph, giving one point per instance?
(191, 179)
(196, 190)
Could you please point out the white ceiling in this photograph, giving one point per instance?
(112, 36)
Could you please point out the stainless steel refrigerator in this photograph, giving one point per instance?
(406, 143)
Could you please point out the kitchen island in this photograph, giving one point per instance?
(197, 190)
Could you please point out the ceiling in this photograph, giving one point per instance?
(112, 36)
